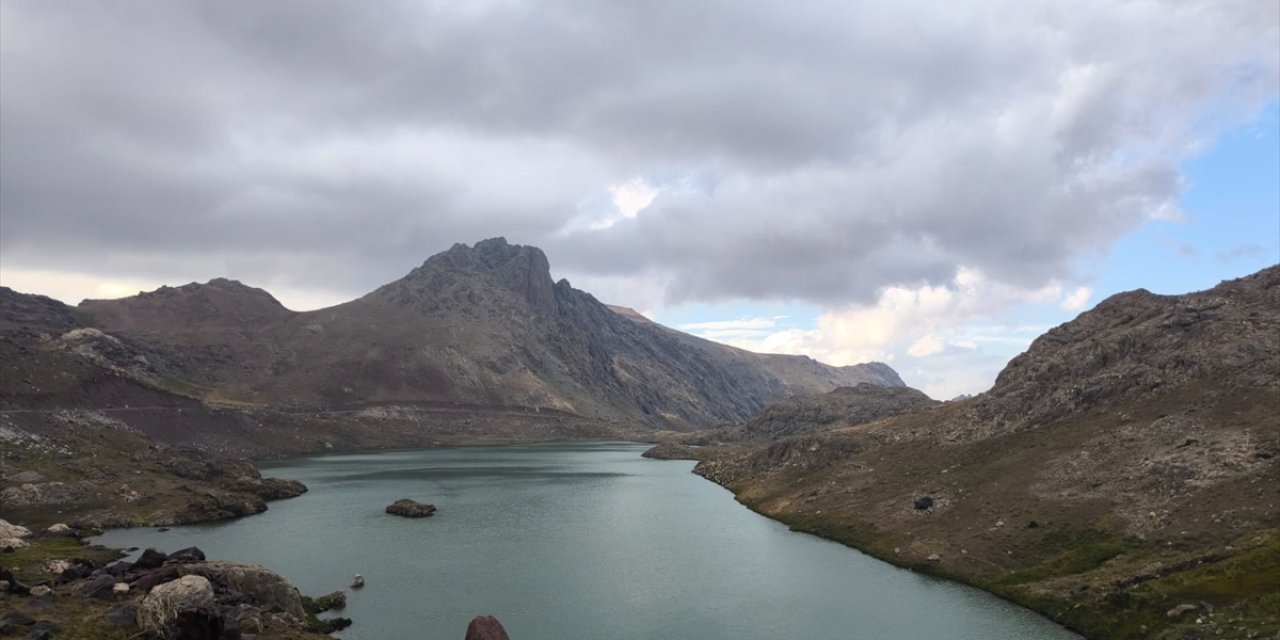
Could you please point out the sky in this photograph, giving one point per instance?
(930, 185)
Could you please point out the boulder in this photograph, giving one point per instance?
(924, 502)
(150, 559)
(190, 554)
(486, 628)
(102, 587)
(43, 630)
(357, 582)
(60, 530)
(267, 589)
(12, 544)
(125, 615)
(40, 591)
(149, 580)
(183, 608)
(12, 530)
(410, 509)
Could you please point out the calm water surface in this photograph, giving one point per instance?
(581, 541)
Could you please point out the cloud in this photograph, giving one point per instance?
(832, 153)
(720, 325)
(1076, 300)
(942, 339)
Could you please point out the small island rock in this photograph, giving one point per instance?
(410, 509)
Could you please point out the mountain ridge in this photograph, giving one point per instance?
(480, 325)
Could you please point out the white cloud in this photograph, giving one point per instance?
(1077, 300)
(942, 337)
(632, 196)
(719, 325)
(927, 345)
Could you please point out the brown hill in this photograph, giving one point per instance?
(482, 325)
(843, 407)
(1122, 467)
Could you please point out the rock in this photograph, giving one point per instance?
(57, 565)
(149, 580)
(410, 509)
(150, 559)
(101, 587)
(1178, 611)
(125, 615)
(12, 530)
(190, 554)
(268, 589)
(924, 502)
(60, 531)
(186, 603)
(120, 588)
(357, 582)
(335, 600)
(43, 630)
(25, 477)
(118, 568)
(17, 618)
(933, 557)
(12, 544)
(486, 628)
(40, 591)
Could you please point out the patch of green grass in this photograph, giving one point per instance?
(1080, 559)
(28, 563)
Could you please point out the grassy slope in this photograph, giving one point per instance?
(1157, 523)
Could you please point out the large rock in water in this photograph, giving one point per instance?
(410, 509)
(486, 628)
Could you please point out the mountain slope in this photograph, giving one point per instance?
(1125, 465)
(482, 325)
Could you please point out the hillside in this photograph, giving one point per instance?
(1123, 467)
(480, 325)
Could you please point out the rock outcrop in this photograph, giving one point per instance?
(407, 508)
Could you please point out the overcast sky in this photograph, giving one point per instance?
(928, 184)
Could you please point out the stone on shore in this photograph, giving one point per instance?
(174, 606)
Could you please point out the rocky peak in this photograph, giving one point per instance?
(220, 300)
(1137, 342)
(521, 269)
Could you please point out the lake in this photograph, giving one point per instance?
(578, 541)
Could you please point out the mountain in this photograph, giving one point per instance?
(1120, 476)
(481, 326)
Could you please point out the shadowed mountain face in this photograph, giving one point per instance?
(482, 325)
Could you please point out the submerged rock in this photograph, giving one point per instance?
(410, 509)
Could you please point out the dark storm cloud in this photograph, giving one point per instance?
(817, 153)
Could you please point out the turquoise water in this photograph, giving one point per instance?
(579, 541)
